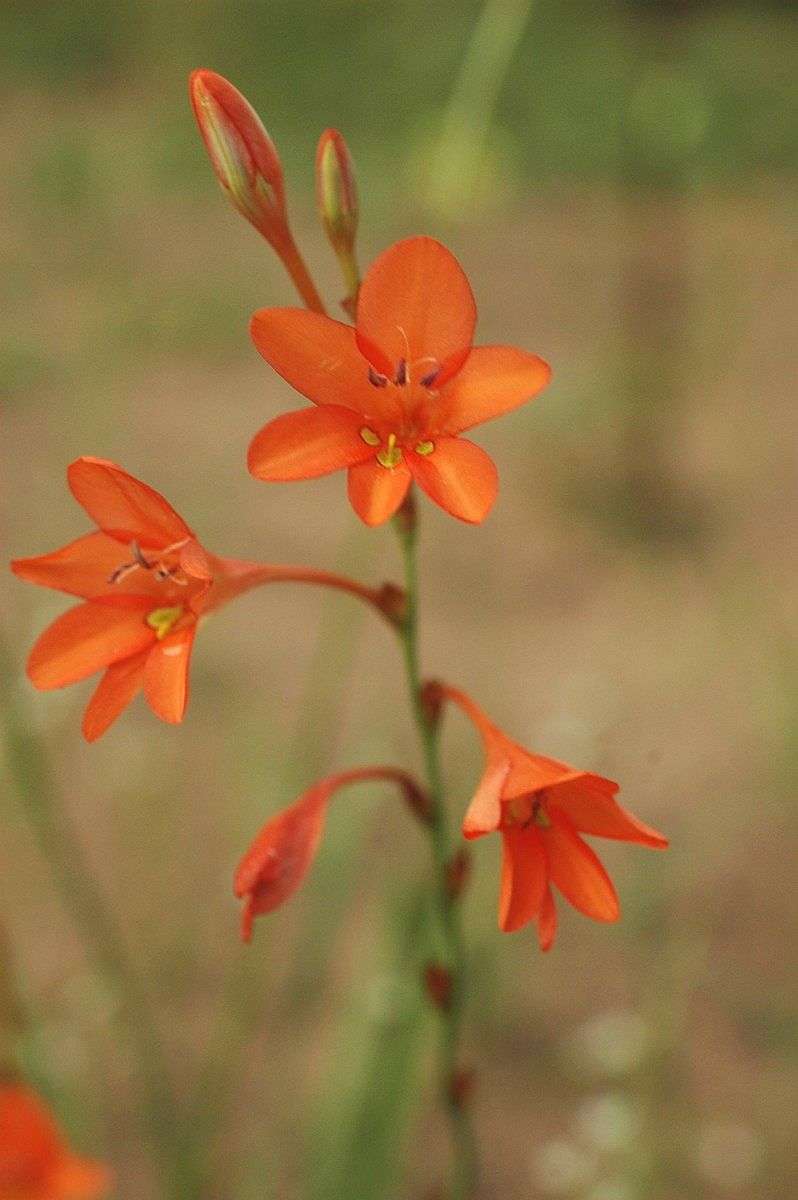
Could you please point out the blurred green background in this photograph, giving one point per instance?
(619, 182)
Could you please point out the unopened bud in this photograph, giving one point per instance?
(439, 985)
(458, 872)
(432, 700)
(242, 154)
(336, 197)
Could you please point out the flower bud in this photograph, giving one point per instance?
(439, 985)
(336, 197)
(242, 154)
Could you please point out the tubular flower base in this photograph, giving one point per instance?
(540, 806)
(145, 582)
(394, 393)
(35, 1161)
(281, 855)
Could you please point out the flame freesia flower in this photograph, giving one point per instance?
(393, 393)
(35, 1160)
(541, 806)
(145, 582)
(281, 855)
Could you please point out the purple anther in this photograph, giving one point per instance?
(428, 381)
(377, 379)
(401, 372)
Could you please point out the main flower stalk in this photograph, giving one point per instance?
(445, 903)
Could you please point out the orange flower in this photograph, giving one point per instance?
(35, 1162)
(393, 393)
(281, 855)
(145, 582)
(540, 806)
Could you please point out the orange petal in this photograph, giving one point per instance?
(577, 872)
(493, 380)
(376, 492)
(524, 877)
(416, 304)
(118, 686)
(280, 857)
(28, 1127)
(166, 674)
(485, 810)
(307, 443)
(84, 640)
(459, 476)
(588, 803)
(547, 921)
(79, 1179)
(125, 507)
(317, 356)
(81, 568)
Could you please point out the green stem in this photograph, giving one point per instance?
(74, 878)
(446, 908)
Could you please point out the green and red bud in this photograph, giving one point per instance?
(336, 197)
(242, 154)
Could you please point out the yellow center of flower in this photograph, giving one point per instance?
(390, 454)
(163, 620)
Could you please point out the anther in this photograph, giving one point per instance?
(391, 456)
(428, 381)
(424, 448)
(377, 379)
(401, 376)
(369, 436)
(162, 620)
(135, 550)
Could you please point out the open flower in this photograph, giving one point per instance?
(540, 806)
(281, 855)
(145, 583)
(35, 1161)
(394, 393)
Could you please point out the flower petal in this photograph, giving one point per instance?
(166, 674)
(317, 356)
(484, 812)
(280, 857)
(124, 507)
(493, 380)
(307, 443)
(118, 686)
(416, 304)
(547, 921)
(577, 872)
(85, 639)
(81, 568)
(589, 804)
(524, 877)
(458, 476)
(376, 492)
(79, 1179)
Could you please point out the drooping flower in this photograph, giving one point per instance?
(281, 855)
(541, 806)
(145, 582)
(393, 393)
(35, 1160)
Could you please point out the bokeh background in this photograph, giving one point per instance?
(619, 182)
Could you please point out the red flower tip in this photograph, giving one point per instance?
(281, 855)
(242, 154)
(35, 1161)
(541, 807)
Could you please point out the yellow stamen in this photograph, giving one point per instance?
(425, 447)
(163, 620)
(391, 456)
(369, 436)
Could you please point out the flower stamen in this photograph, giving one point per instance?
(425, 448)
(369, 436)
(376, 379)
(391, 456)
(163, 620)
